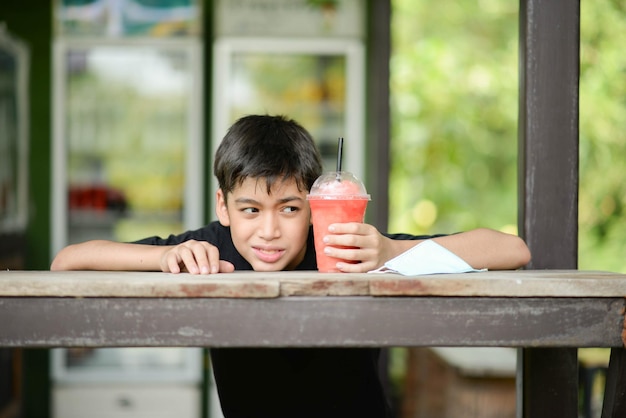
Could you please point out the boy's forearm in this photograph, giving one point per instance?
(480, 248)
(487, 248)
(108, 255)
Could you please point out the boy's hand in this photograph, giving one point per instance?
(372, 248)
(195, 257)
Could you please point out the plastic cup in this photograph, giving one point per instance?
(335, 197)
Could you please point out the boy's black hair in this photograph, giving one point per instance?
(273, 148)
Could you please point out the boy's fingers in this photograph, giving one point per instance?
(213, 262)
(345, 240)
(226, 266)
(347, 228)
(188, 259)
(171, 260)
(354, 268)
(197, 257)
(207, 259)
(344, 253)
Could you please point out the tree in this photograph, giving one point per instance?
(454, 116)
(454, 103)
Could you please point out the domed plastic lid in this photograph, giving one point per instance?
(338, 185)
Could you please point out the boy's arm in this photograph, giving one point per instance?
(109, 255)
(480, 248)
(196, 257)
(488, 248)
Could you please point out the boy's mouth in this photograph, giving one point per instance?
(268, 255)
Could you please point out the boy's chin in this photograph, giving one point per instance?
(267, 267)
(284, 262)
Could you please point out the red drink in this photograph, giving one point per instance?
(334, 198)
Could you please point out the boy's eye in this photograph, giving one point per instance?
(249, 210)
(290, 209)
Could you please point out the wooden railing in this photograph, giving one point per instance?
(528, 308)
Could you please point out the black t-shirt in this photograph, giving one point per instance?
(290, 382)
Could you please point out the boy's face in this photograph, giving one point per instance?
(269, 230)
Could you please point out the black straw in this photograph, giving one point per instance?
(339, 155)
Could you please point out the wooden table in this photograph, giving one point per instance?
(526, 308)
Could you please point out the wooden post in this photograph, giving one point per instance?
(549, 44)
(614, 405)
(378, 127)
(378, 113)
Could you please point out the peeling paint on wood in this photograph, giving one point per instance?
(541, 308)
(523, 283)
(336, 286)
(135, 284)
(311, 321)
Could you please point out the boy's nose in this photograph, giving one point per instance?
(269, 228)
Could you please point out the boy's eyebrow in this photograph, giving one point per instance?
(248, 200)
(290, 199)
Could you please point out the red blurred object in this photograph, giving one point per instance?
(96, 197)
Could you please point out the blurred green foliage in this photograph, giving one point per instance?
(602, 217)
(454, 104)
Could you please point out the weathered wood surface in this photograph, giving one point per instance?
(545, 308)
(521, 283)
(309, 321)
(135, 284)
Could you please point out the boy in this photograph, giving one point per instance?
(265, 166)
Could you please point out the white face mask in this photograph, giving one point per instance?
(427, 257)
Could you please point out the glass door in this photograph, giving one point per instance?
(127, 163)
(317, 82)
(127, 143)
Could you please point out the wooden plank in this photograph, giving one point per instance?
(522, 283)
(311, 321)
(135, 284)
(328, 284)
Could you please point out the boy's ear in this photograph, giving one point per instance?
(220, 208)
